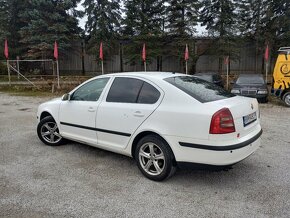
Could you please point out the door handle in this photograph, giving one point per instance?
(91, 109)
(138, 114)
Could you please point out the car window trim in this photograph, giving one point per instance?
(139, 93)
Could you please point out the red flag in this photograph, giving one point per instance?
(266, 56)
(186, 55)
(226, 60)
(101, 52)
(6, 52)
(55, 52)
(144, 53)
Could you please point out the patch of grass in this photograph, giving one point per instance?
(13, 78)
(27, 91)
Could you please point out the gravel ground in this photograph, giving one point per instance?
(76, 180)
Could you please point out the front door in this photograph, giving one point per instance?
(78, 115)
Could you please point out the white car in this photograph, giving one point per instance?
(163, 120)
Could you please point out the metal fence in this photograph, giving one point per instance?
(74, 62)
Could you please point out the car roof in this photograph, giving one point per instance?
(148, 74)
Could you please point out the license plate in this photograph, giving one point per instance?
(250, 118)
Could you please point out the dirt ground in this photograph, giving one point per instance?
(76, 180)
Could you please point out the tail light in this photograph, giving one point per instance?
(222, 122)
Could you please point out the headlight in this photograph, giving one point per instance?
(262, 92)
(235, 91)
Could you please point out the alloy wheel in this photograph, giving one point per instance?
(50, 133)
(287, 99)
(152, 159)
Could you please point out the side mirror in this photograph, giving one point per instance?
(66, 97)
(269, 83)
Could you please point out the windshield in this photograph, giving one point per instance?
(199, 89)
(250, 80)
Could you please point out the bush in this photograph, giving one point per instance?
(3, 68)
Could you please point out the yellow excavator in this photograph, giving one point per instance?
(281, 76)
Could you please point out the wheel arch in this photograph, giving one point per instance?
(283, 97)
(284, 92)
(45, 114)
(141, 135)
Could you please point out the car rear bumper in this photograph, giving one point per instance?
(223, 148)
(216, 155)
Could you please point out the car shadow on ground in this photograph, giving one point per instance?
(92, 158)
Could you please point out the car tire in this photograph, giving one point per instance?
(264, 100)
(48, 132)
(155, 158)
(286, 98)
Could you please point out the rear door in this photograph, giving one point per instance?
(130, 101)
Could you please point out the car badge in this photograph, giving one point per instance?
(252, 106)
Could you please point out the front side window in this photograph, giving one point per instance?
(199, 89)
(90, 91)
(130, 90)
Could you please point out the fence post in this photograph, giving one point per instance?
(17, 64)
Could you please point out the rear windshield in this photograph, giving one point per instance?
(199, 89)
(205, 77)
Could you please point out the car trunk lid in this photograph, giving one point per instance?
(245, 112)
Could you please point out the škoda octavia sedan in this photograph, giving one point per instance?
(162, 120)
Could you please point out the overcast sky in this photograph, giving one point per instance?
(82, 21)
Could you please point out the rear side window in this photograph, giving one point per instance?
(130, 90)
(199, 89)
(148, 94)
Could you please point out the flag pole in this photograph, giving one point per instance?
(17, 63)
(227, 62)
(144, 56)
(266, 57)
(186, 57)
(228, 75)
(6, 53)
(57, 71)
(55, 54)
(8, 69)
(266, 79)
(101, 56)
